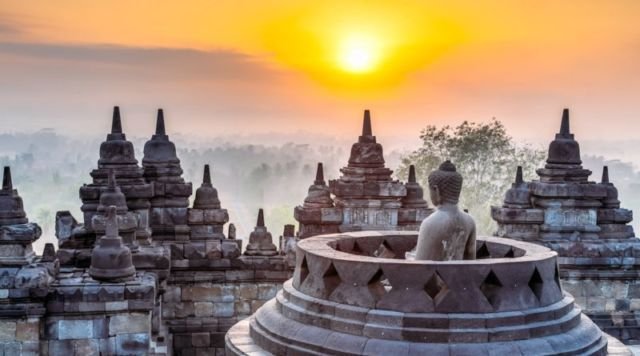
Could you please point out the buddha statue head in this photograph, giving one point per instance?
(445, 184)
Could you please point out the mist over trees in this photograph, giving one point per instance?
(486, 157)
(49, 168)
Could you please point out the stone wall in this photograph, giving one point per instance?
(199, 306)
(612, 304)
(20, 337)
(85, 317)
(125, 333)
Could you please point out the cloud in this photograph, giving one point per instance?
(72, 87)
(9, 27)
(162, 63)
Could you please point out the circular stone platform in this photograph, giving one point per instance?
(345, 299)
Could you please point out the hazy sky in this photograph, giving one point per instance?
(227, 67)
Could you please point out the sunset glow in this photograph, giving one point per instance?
(274, 62)
(359, 54)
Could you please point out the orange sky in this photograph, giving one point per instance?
(251, 66)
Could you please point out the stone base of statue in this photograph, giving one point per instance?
(345, 300)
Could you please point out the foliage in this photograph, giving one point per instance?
(484, 154)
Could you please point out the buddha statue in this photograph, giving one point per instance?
(448, 233)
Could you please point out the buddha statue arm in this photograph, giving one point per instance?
(427, 248)
(470, 248)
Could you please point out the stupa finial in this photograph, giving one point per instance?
(116, 123)
(206, 178)
(412, 174)
(366, 124)
(260, 222)
(7, 183)
(319, 175)
(564, 126)
(605, 174)
(160, 123)
(519, 179)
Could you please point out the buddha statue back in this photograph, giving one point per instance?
(449, 233)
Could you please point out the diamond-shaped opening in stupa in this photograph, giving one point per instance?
(435, 286)
(490, 287)
(483, 252)
(331, 279)
(304, 270)
(536, 283)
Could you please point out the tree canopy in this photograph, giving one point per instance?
(486, 157)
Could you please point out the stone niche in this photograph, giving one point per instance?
(344, 300)
(583, 222)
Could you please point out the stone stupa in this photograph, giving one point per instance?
(583, 222)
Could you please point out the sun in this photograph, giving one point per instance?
(358, 54)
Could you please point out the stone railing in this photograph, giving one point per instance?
(344, 268)
(355, 294)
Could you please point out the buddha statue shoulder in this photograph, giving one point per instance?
(448, 233)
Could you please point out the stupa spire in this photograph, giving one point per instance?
(564, 126)
(605, 174)
(160, 123)
(116, 122)
(412, 174)
(366, 124)
(519, 179)
(206, 177)
(260, 222)
(319, 175)
(7, 183)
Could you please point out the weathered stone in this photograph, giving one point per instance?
(260, 240)
(231, 248)
(243, 307)
(61, 347)
(7, 330)
(75, 329)
(200, 339)
(129, 323)
(223, 309)
(111, 260)
(583, 222)
(203, 309)
(247, 291)
(27, 330)
(89, 347)
(118, 154)
(132, 344)
(117, 306)
(339, 302)
(267, 291)
(365, 197)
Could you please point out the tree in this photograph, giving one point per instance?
(486, 157)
